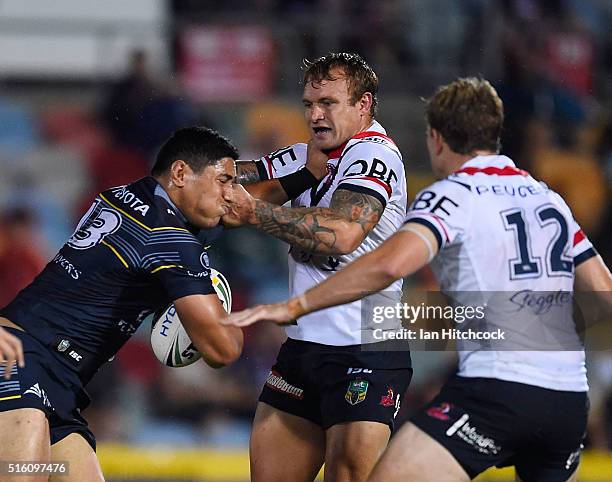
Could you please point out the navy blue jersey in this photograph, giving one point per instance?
(132, 253)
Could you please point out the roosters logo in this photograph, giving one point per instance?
(387, 400)
(440, 412)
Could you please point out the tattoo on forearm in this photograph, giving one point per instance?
(246, 172)
(359, 208)
(316, 229)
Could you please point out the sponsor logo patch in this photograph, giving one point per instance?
(276, 382)
(440, 412)
(469, 434)
(356, 391)
(63, 345)
(40, 393)
(387, 400)
(204, 260)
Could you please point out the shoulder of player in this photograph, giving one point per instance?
(376, 145)
(148, 212)
(283, 161)
(454, 188)
(291, 153)
(556, 198)
(463, 184)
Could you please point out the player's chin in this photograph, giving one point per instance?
(209, 222)
(325, 144)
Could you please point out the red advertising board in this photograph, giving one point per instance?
(226, 63)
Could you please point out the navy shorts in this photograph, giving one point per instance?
(485, 422)
(329, 385)
(46, 384)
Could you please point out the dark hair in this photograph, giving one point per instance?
(197, 146)
(468, 114)
(359, 75)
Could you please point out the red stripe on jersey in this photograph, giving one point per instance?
(361, 135)
(268, 160)
(579, 236)
(337, 152)
(494, 171)
(373, 179)
(442, 226)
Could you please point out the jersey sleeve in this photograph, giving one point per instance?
(371, 168)
(581, 247)
(179, 263)
(444, 207)
(282, 162)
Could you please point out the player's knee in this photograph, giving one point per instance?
(354, 459)
(347, 466)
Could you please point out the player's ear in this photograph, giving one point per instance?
(178, 172)
(438, 140)
(365, 103)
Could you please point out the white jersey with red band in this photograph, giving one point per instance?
(369, 163)
(511, 244)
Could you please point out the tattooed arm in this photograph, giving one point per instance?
(247, 172)
(339, 229)
(269, 190)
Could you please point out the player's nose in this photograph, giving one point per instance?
(228, 193)
(316, 114)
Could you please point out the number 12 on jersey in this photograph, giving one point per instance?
(526, 264)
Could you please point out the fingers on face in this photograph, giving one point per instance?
(11, 352)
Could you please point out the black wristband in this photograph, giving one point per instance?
(261, 170)
(296, 183)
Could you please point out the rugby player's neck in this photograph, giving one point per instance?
(365, 125)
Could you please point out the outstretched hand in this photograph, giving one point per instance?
(11, 352)
(278, 313)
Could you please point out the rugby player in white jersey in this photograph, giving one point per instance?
(327, 399)
(491, 228)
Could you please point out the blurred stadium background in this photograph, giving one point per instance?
(89, 89)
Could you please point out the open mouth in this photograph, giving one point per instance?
(321, 130)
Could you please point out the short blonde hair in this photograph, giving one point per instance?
(468, 114)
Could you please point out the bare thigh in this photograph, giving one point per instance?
(353, 448)
(284, 447)
(82, 460)
(25, 437)
(413, 455)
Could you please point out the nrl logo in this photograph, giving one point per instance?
(356, 392)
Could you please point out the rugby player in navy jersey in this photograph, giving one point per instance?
(138, 248)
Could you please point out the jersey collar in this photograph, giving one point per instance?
(375, 128)
(491, 164)
(161, 192)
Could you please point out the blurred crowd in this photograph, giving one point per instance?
(551, 61)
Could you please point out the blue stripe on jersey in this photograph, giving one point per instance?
(582, 257)
(133, 229)
(3, 371)
(124, 247)
(10, 387)
(363, 190)
(152, 260)
(432, 228)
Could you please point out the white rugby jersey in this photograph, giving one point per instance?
(510, 243)
(369, 163)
